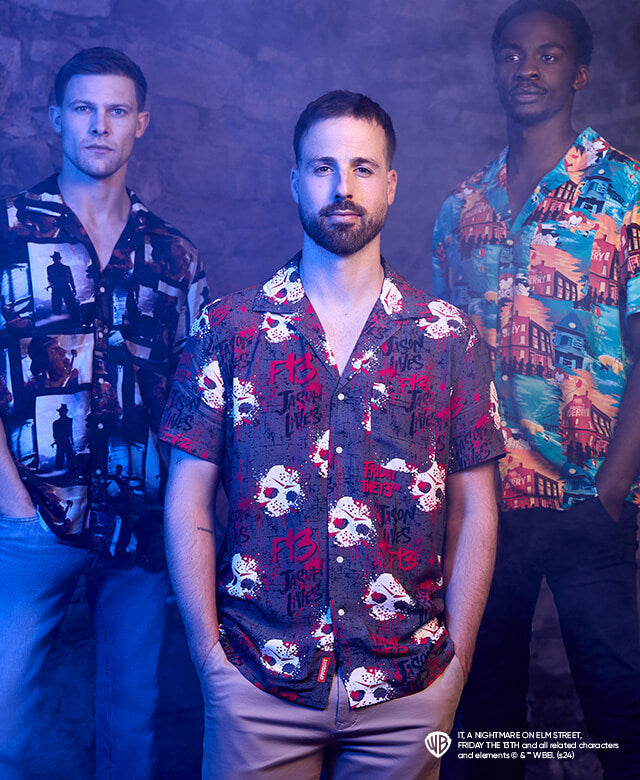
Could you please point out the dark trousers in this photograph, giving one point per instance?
(589, 562)
(64, 293)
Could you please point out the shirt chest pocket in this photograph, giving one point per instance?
(405, 432)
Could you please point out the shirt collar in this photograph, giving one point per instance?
(45, 198)
(284, 293)
(589, 147)
(588, 142)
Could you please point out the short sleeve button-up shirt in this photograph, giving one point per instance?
(550, 290)
(87, 358)
(332, 556)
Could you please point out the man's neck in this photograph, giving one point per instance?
(340, 282)
(342, 290)
(101, 205)
(95, 201)
(533, 152)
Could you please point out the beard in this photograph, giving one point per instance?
(340, 239)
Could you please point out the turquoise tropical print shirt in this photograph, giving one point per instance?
(550, 290)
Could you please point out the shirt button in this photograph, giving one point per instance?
(339, 449)
(100, 426)
(100, 379)
(340, 396)
(505, 377)
(102, 290)
(339, 559)
(341, 612)
(509, 242)
(98, 471)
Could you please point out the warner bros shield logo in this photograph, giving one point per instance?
(437, 743)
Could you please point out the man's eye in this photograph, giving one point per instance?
(366, 171)
(511, 58)
(548, 58)
(322, 169)
(118, 111)
(82, 109)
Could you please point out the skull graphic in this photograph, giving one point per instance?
(285, 286)
(361, 360)
(278, 327)
(211, 386)
(201, 324)
(281, 657)
(367, 686)
(445, 319)
(391, 297)
(323, 632)
(320, 454)
(427, 487)
(494, 406)
(366, 419)
(386, 598)
(279, 491)
(327, 351)
(350, 522)
(246, 577)
(379, 395)
(245, 403)
(429, 632)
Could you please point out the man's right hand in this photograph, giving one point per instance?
(15, 500)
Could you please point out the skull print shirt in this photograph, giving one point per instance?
(332, 554)
(87, 361)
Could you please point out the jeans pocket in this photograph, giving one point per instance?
(13, 519)
(33, 522)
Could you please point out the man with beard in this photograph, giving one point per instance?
(541, 247)
(349, 416)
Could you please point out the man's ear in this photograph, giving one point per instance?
(583, 76)
(392, 183)
(142, 123)
(294, 184)
(55, 117)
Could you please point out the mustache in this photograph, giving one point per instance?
(341, 205)
(527, 89)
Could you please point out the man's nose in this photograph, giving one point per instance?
(343, 187)
(529, 68)
(100, 124)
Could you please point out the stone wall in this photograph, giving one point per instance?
(229, 78)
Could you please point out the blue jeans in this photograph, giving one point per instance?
(38, 576)
(589, 561)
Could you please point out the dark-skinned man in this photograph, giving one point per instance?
(540, 247)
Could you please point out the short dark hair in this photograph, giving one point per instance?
(564, 9)
(339, 103)
(101, 60)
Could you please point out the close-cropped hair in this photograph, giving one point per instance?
(340, 103)
(101, 60)
(563, 9)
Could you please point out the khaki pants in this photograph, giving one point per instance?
(250, 734)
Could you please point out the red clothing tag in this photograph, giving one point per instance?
(324, 668)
